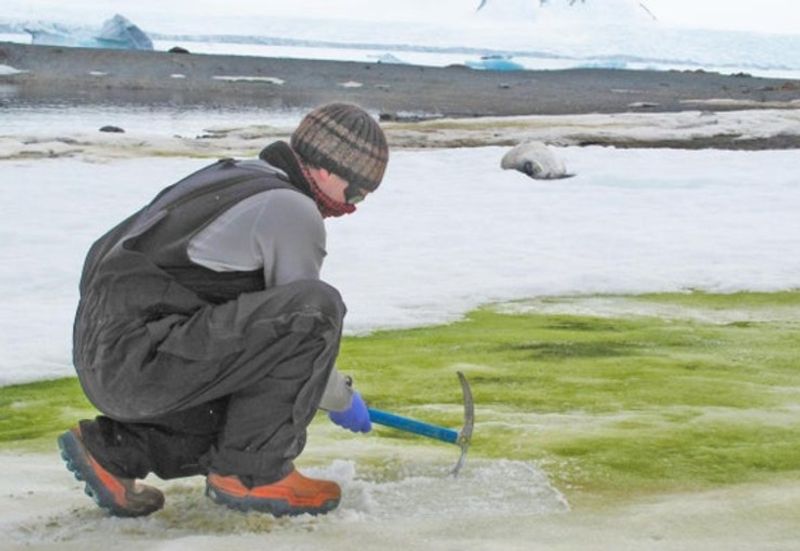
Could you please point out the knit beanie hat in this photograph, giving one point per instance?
(345, 140)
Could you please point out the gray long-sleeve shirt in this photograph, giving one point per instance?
(282, 232)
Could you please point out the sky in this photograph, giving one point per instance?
(781, 16)
(776, 16)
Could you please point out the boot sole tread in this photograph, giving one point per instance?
(73, 457)
(275, 507)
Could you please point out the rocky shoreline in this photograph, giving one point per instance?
(86, 74)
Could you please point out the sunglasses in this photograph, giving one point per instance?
(354, 194)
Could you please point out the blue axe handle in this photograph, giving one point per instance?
(412, 425)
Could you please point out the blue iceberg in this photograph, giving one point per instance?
(120, 33)
(117, 33)
(604, 63)
(495, 63)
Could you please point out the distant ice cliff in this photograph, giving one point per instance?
(117, 33)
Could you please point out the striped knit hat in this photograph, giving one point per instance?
(343, 139)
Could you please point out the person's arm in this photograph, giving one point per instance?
(281, 232)
(338, 394)
(289, 238)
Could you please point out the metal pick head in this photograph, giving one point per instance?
(465, 436)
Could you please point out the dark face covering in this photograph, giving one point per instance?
(328, 207)
(281, 155)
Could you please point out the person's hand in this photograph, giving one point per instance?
(355, 418)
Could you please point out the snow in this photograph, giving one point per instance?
(448, 231)
(41, 507)
(9, 70)
(249, 78)
(505, 505)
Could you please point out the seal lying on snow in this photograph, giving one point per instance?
(536, 160)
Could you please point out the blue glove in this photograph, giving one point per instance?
(355, 418)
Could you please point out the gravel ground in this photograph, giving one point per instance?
(80, 75)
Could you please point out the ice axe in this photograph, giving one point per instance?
(460, 438)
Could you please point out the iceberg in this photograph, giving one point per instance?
(116, 33)
(53, 34)
(495, 63)
(390, 58)
(604, 63)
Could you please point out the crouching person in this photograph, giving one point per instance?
(205, 336)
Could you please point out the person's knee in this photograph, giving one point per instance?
(320, 296)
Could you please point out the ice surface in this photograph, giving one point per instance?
(60, 119)
(41, 509)
(448, 231)
(407, 495)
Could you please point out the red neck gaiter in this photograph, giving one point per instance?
(327, 207)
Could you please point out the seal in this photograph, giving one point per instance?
(536, 160)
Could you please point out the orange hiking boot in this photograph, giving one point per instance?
(122, 497)
(294, 495)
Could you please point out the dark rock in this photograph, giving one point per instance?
(178, 50)
(110, 128)
(504, 86)
(742, 75)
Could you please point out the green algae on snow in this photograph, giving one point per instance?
(608, 405)
(35, 411)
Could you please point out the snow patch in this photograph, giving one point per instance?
(8, 70)
(623, 307)
(743, 103)
(246, 78)
(631, 221)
